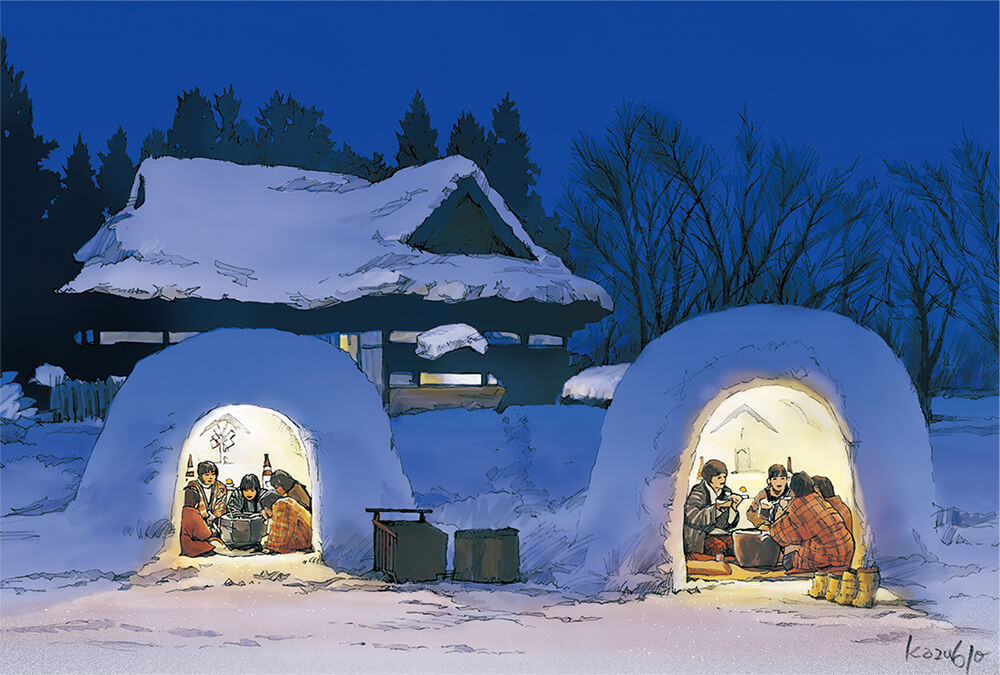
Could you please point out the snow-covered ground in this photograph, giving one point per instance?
(527, 468)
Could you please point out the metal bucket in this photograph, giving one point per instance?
(755, 548)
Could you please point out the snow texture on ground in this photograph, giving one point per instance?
(595, 384)
(320, 239)
(279, 623)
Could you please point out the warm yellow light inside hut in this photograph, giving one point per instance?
(764, 425)
(236, 438)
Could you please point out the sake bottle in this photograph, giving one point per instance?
(265, 476)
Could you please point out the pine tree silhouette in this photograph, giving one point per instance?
(26, 278)
(418, 141)
(289, 134)
(236, 141)
(513, 174)
(77, 212)
(193, 131)
(346, 160)
(114, 178)
(154, 146)
(468, 138)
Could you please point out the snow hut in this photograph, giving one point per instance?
(231, 396)
(369, 267)
(754, 386)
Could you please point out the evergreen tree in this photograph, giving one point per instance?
(235, 141)
(289, 134)
(346, 160)
(418, 141)
(513, 174)
(193, 131)
(77, 211)
(116, 174)
(26, 279)
(468, 138)
(154, 146)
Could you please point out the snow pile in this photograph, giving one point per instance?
(319, 239)
(48, 375)
(438, 341)
(594, 385)
(127, 493)
(14, 404)
(633, 513)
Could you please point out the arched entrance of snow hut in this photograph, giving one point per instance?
(760, 423)
(629, 532)
(238, 439)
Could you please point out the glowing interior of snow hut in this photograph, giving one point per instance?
(244, 440)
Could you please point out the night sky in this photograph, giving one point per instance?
(875, 80)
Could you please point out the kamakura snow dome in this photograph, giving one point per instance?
(841, 404)
(300, 397)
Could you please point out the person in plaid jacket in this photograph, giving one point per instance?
(811, 533)
(290, 527)
(212, 504)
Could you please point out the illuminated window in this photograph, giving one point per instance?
(180, 337)
(452, 379)
(405, 336)
(113, 337)
(498, 337)
(349, 343)
(401, 379)
(541, 340)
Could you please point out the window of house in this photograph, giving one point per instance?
(404, 336)
(401, 380)
(175, 337)
(499, 337)
(114, 337)
(452, 379)
(492, 380)
(542, 340)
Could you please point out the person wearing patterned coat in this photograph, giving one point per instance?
(212, 504)
(811, 533)
(290, 525)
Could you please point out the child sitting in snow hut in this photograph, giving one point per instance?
(213, 495)
(290, 527)
(771, 502)
(285, 485)
(196, 537)
(824, 486)
(710, 513)
(812, 534)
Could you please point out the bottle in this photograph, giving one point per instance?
(265, 476)
(190, 468)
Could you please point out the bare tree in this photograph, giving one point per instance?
(958, 204)
(926, 291)
(673, 231)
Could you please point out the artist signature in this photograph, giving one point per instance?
(959, 656)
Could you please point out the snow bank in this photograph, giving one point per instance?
(633, 514)
(437, 342)
(596, 384)
(48, 375)
(320, 239)
(13, 403)
(127, 493)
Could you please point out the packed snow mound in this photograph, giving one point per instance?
(126, 496)
(14, 404)
(595, 384)
(437, 342)
(48, 375)
(318, 239)
(633, 514)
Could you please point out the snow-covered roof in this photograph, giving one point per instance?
(216, 230)
(595, 384)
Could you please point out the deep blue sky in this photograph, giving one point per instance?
(893, 80)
